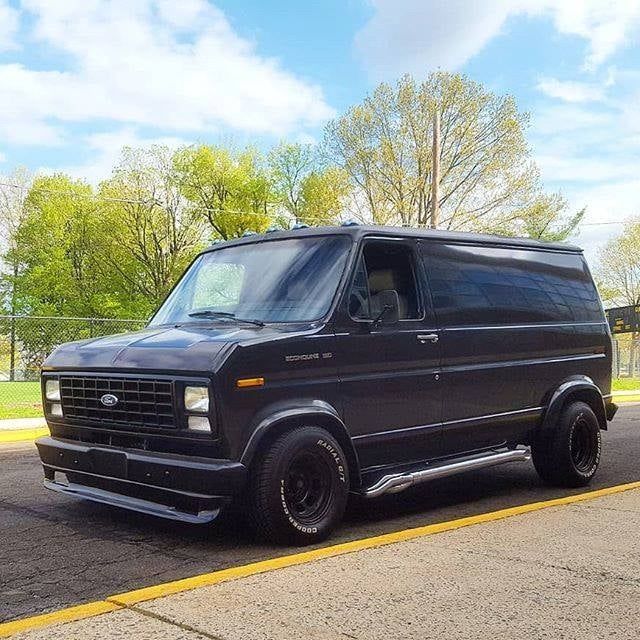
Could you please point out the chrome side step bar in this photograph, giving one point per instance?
(394, 483)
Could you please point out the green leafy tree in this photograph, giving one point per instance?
(619, 275)
(232, 191)
(290, 165)
(308, 189)
(55, 244)
(148, 231)
(12, 214)
(546, 218)
(323, 194)
(619, 268)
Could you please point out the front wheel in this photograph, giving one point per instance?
(299, 487)
(568, 454)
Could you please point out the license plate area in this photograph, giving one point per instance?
(109, 463)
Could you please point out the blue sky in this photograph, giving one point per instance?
(81, 78)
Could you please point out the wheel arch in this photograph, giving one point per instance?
(282, 419)
(578, 389)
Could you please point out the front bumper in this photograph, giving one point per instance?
(185, 488)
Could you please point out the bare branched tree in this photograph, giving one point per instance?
(488, 181)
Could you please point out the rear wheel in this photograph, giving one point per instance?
(299, 487)
(568, 454)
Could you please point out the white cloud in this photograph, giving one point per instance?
(590, 155)
(607, 26)
(571, 91)
(578, 144)
(616, 202)
(575, 168)
(105, 151)
(556, 119)
(174, 66)
(417, 36)
(420, 35)
(9, 22)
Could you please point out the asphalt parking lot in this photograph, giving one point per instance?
(57, 551)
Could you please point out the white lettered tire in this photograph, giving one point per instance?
(298, 487)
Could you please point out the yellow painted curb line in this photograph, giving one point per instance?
(130, 598)
(23, 435)
(71, 614)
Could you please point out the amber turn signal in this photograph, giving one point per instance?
(243, 383)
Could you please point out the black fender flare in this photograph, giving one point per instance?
(283, 416)
(578, 388)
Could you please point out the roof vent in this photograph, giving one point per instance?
(300, 225)
(350, 223)
(273, 229)
(246, 234)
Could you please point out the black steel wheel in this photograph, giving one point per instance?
(299, 487)
(307, 487)
(584, 445)
(569, 454)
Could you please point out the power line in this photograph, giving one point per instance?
(94, 196)
(593, 224)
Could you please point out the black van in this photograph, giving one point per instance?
(292, 368)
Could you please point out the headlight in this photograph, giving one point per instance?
(52, 390)
(199, 423)
(196, 399)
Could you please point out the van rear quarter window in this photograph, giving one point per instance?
(484, 285)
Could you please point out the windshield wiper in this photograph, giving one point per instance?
(209, 313)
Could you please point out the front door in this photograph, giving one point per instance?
(389, 373)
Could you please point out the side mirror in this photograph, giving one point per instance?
(386, 306)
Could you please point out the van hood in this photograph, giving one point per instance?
(189, 348)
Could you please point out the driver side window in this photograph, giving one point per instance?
(384, 266)
(219, 286)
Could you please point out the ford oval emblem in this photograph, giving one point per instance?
(109, 400)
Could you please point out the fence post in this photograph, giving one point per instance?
(12, 350)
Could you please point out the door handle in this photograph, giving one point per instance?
(423, 338)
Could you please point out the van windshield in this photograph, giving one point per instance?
(291, 280)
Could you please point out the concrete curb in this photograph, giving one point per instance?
(17, 424)
(22, 430)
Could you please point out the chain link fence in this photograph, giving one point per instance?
(626, 357)
(25, 342)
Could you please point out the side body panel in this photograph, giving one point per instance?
(515, 324)
(299, 370)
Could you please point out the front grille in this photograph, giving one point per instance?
(141, 402)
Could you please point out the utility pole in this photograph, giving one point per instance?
(435, 171)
